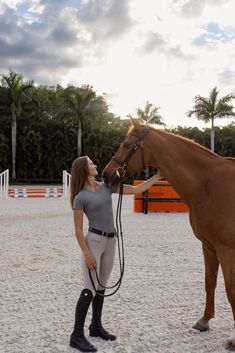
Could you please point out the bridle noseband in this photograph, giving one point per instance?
(139, 144)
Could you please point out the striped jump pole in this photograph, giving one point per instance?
(26, 192)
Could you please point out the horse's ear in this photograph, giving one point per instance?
(135, 122)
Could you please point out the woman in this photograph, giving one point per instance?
(98, 247)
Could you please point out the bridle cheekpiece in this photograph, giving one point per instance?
(134, 147)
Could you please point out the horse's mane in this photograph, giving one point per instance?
(180, 138)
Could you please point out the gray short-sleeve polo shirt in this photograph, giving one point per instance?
(97, 206)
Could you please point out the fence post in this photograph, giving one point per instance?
(145, 202)
(66, 183)
(4, 183)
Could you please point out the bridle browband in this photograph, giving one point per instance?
(139, 144)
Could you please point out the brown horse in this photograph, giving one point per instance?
(206, 181)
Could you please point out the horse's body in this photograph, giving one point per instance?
(206, 182)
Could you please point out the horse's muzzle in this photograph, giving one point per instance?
(112, 179)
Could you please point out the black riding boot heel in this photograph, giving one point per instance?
(78, 339)
(96, 328)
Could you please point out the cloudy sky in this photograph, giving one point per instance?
(163, 51)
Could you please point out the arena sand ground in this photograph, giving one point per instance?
(161, 297)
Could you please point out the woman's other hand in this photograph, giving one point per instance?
(90, 261)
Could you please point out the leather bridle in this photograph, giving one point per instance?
(134, 147)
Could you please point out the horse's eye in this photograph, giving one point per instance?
(126, 145)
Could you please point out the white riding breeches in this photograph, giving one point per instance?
(103, 250)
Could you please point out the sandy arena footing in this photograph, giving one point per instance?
(161, 297)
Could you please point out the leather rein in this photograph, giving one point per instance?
(123, 167)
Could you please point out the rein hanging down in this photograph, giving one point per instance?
(123, 164)
(120, 251)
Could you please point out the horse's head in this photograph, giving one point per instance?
(130, 156)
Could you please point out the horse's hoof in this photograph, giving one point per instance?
(200, 327)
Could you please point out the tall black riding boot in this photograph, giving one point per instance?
(96, 328)
(77, 339)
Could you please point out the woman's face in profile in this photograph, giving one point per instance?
(92, 168)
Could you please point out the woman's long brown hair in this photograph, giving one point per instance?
(79, 174)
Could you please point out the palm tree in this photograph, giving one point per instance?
(210, 108)
(78, 101)
(149, 114)
(16, 93)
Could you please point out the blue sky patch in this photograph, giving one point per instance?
(213, 33)
(74, 3)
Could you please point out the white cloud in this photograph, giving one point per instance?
(133, 50)
(188, 8)
(227, 78)
(12, 3)
(37, 7)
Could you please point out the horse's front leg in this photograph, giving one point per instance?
(227, 261)
(211, 272)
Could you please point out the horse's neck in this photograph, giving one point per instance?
(180, 161)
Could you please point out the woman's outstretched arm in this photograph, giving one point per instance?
(138, 189)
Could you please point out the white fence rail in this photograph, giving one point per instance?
(4, 183)
(66, 183)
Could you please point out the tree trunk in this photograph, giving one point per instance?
(212, 135)
(79, 142)
(13, 148)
